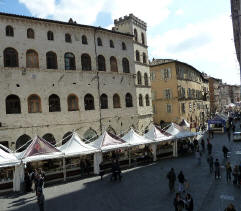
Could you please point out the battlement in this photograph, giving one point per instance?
(133, 18)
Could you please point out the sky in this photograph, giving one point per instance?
(196, 32)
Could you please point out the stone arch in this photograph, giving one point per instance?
(23, 141)
(50, 138)
(90, 135)
(66, 137)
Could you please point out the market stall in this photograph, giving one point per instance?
(139, 150)
(218, 123)
(41, 154)
(110, 147)
(7, 163)
(162, 146)
(79, 157)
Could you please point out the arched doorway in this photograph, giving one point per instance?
(21, 141)
(50, 138)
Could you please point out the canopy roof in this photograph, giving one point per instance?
(179, 132)
(218, 119)
(108, 142)
(132, 138)
(7, 159)
(75, 146)
(184, 123)
(39, 149)
(157, 134)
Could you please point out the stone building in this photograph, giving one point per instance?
(179, 91)
(214, 91)
(57, 77)
(131, 24)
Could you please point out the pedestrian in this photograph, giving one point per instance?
(225, 152)
(40, 199)
(195, 142)
(181, 180)
(189, 202)
(228, 172)
(178, 202)
(198, 155)
(230, 207)
(210, 163)
(209, 146)
(203, 145)
(42, 177)
(102, 172)
(171, 176)
(217, 169)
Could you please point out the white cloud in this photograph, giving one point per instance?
(85, 12)
(207, 45)
(179, 12)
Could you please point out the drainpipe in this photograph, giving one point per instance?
(98, 81)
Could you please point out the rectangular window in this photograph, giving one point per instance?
(153, 76)
(167, 73)
(183, 108)
(169, 108)
(167, 94)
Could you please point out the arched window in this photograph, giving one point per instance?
(90, 135)
(9, 31)
(50, 138)
(51, 60)
(50, 35)
(84, 40)
(135, 35)
(85, 62)
(112, 44)
(30, 33)
(146, 79)
(147, 100)
(123, 46)
(23, 141)
(73, 104)
(113, 64)
(68, 38)
(144, 58)
(32, 59)
(34, 104)
(125, 65)
(140, 100)
(13, 105)
(69, 60)
(103, 101)
(139, 81)
(89, 102)
(54, 103)
(129, 100)
(116, 101)
(99, 42)
(101, 63)
(142, 38)
(137, 56)
(10, 57)
(66, 137)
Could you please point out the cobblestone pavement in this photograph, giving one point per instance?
(142, 189)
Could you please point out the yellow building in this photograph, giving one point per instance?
(179, 91)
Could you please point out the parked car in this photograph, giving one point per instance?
(237, 136)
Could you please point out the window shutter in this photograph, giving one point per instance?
(162, 74)
(169, 73)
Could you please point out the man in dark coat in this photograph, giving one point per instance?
(40, 199)
(181, 180)
(217, 169)
(225, 151)
(209, 146)
(189, 203)
(178, 202)
(171, 176)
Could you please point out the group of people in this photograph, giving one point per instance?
(183, 199)
(34, 181)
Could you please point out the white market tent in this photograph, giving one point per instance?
(179, 132)
(184, 123)
(7, 159)
(157, 134)
(75, 146)
(133, 139)
(39, 149)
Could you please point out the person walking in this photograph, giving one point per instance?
(228, 172)
(203, 145)
(178, 202)
(230, 207)
(171, 176)
(40, 199)
(198, 156)
(181, 180)
(225, 152)
(189, 202)
(209, 146)
(217, 169)
(210, 163)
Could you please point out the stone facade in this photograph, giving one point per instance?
(23, 82)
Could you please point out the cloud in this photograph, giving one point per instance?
(179, 12)
(206, 45)
(85, 12)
